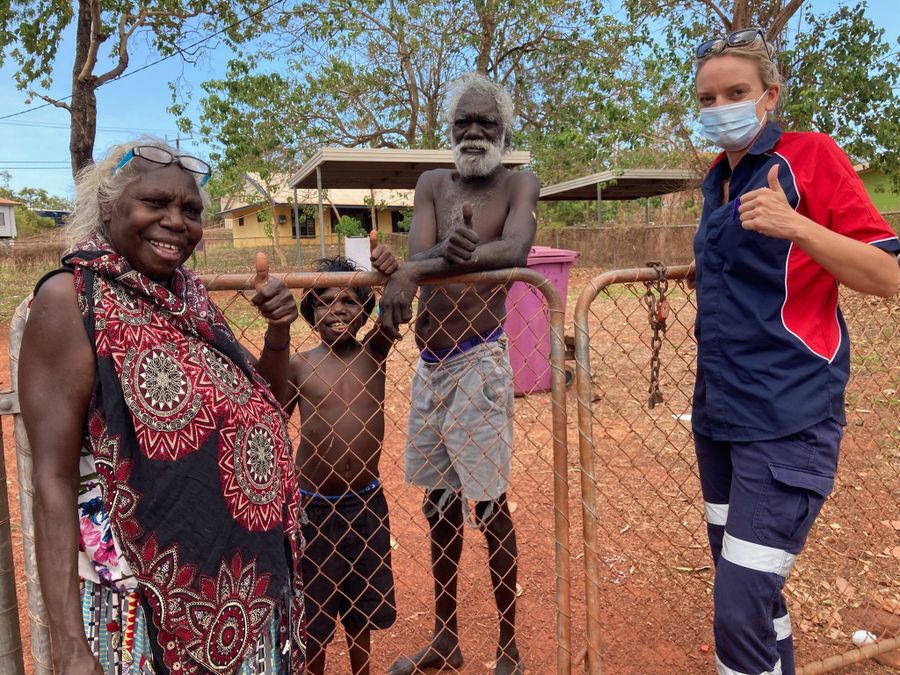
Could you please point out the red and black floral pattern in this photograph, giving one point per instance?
(195, 465)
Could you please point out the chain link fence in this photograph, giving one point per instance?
(648, 540)
(343, 411)
(638, 598)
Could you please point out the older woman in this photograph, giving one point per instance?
(785, 219)
(162, 469)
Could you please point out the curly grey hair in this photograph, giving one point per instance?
(475, 82)
(96, 184)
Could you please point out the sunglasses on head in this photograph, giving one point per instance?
(739, 38)
(163, 157)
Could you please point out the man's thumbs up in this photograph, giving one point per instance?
(774, 184)
(467, 214)
(262, 271)
(373, 241)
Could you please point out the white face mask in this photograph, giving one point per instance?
(731, 126)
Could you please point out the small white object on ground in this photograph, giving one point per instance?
(863, 637)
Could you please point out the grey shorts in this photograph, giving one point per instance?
(459, 434)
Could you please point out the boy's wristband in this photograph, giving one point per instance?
(272, 348)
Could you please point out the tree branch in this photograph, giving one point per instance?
(58, 104)
(715, 8)
(96, 39)
(144, 18)
(781, 19)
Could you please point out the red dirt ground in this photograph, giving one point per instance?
(642, 635)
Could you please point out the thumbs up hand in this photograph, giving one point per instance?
(262, 271)
(382, 259)
(460, 244)
(273, 299)
(767, 211)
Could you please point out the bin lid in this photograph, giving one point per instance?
(548, 254)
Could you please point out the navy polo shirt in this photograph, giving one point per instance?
(773, 352)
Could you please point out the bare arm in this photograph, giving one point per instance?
(509, 250)
(862, 267)
(295, 371)
(56, 381)
(278, 307)
(460, 252)
(379, 342)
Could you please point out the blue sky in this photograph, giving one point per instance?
(137, 104)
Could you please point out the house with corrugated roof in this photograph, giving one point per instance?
(7, 218)
(262, 211)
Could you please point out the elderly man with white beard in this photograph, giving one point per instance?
(480, 216)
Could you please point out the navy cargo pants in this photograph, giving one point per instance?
(760, 499)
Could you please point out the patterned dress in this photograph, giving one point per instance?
(187, 503)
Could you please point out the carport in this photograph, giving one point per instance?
(375, 169)
(622, 184)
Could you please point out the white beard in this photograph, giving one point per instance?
(471, 165)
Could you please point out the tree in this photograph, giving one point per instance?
(841, 75)
(376, 74)
(842, 80)
(31, 32)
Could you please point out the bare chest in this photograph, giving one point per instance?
(490, 206)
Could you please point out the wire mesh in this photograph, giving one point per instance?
(651, 555)
(347, 402)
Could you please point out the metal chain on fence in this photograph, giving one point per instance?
(657, 313)
(653, 561)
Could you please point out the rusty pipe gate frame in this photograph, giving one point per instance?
(300, 280)
(590, 521)
(588, 483)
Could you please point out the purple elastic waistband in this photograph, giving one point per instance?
(438, 355)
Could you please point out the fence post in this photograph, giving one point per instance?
(37, 613)
(10, 635)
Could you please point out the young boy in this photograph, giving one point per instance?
(340, 391)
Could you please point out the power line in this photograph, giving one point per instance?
(63, 125)
(178, 51)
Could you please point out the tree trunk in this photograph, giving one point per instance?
(487, 18)
(742, 17)
(83, 107)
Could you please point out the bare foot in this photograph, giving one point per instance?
(509, 662)
(438, 654)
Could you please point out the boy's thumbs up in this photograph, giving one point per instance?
(262, 271)
(773, 179)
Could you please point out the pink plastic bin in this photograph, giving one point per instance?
(528, 321)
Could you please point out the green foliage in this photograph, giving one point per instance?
(842, 80)
(348, 226)
(31, 30)
(405, 221)
(27, 222)
(596, 87)
(376, 74)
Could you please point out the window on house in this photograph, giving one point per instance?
(396, 218)
(241, 221)
(307, 225)
(2, 220)
(363, 215)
